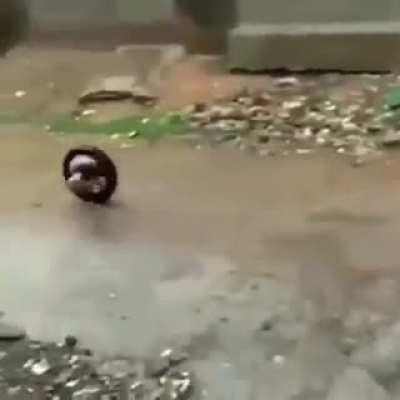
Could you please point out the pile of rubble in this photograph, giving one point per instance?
(291, 119)
(31, 369)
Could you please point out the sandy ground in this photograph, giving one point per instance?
(198, 249)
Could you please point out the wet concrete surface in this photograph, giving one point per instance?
(197, 250)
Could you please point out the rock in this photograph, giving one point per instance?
(293, 105)
(303, 151)
(40, 367)
(285, 82)
(133, 134)
(116, 368)
(71, 341)
(350, 128)
(228, 137)
(174, 357)
(107, 89)
(279, 359)
(255, 111)
(115, 88)
(143, 96)
(393, 99)
(304, 135)
(245, 101)
(322, 138)
(177, 385)
(348, 123)
(374, 128)
(228, 112)
(11, 332)
(230, 125)
(178, 357)
(348, 345)
(356, 384)
(262, 99)
(195, 108)
(87, 392)
(157, 367)
(263, 137)
(267, 325)
(19, 94)
(261, 120)
(391, 139)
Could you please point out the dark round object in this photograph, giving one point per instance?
(105, 167)
(71, 341)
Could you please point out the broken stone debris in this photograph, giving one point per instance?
(11, 332)
(117, 88)
(47, 370)
(356, 123)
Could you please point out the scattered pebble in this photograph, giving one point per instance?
(71, 341)
(40, 367)
(267, 325)
(19, 94)
(125, 146)
(302, 120)
(391, 139)
(47, 370)
(133, 134)
(279, 359)
(303, 151)
(112, 295)
(11, 332)
(88, 112)
(287, 81)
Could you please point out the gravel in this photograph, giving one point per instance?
(33, 369)
(354, 122)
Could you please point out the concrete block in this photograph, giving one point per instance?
(151, 61)
(362, 46)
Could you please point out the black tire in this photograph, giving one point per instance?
(106, 168)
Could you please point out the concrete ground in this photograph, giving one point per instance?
(198, 249)
(197, 246)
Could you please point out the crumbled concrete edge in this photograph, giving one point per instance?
(299, 47)
(170, 55)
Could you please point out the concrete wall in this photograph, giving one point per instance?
(148, 11)
(110, 11)
(286, 11)
(267, 34)
(346, 35)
